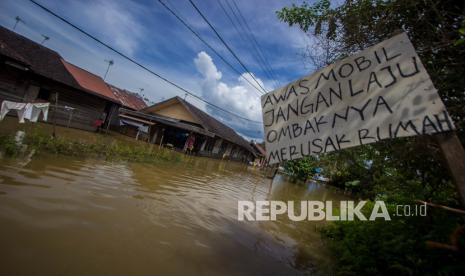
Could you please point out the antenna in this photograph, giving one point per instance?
(110, 63)
(45, 39)
(18, 19)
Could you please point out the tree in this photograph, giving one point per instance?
(433, 26)
(401, 170)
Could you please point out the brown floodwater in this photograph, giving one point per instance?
(66, 216)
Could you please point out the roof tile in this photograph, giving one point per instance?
(127, 98)
(90, 82)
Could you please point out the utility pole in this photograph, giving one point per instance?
(45, 39)
(18, 19)
(110, 63)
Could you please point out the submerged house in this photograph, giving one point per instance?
(260, 156)
(115, 97)
(171, 122)
(128, 100)
(30, 72)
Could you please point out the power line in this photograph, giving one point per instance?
(139, 64)
(261, 54)
(244, 39)
(248, 39)
(255, 43)
(206, 43)
(226, 45)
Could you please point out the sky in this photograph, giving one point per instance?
(145, 31)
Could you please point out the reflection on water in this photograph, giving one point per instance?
(62, 216)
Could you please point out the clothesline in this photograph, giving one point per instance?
(69, 108)
(29, 111)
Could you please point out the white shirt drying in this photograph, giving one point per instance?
(29, 111)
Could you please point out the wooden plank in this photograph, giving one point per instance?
(454, 155)
(137, 119)
(166, 121)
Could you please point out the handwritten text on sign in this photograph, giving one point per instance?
(383, 92)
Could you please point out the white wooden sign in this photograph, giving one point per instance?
(381, 93)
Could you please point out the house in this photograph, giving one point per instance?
(171, 122)
(128, 100)
(116, 97)
(260, 156)
(30, 72)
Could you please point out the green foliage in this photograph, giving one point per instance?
(8, 145)
(461, 40)
(301, 169)
(433, 26)
(103, 148)
(402, 170)
(395, 247)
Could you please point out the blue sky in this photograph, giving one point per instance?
(145, 31)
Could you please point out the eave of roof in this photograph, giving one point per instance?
(166, 121)
(209, 123)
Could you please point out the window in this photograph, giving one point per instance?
(44, 94)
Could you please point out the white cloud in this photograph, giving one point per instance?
(115, 22)
(240, 99)
(86, 53)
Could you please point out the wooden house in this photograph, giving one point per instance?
(30, 72)
(171, 122)
(260, 156)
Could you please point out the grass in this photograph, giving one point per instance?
(79, 143)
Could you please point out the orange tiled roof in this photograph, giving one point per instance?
(90, 82)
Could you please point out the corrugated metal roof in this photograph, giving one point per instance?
(127, 98)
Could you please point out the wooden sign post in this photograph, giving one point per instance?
(454, 155)
(382, 92)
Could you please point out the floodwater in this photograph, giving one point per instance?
(63, 216)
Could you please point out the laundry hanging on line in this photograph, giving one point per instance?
(29, 111)
(7, 106)
(33, 111)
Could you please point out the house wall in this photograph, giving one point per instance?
(13, 83)
(177, 111)
(228, 150)
(217, 146)
(16, 85)
(113, 118)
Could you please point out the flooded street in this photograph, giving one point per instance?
(62, 216)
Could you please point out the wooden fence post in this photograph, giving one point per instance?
(454, 154)
(54, 115)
